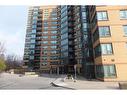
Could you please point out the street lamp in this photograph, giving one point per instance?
(75, 72)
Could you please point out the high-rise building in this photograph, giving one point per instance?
(42, 46)
(108, 25)
(91, 37)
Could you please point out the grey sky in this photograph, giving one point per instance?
(13, 20)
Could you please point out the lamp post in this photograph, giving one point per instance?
(75, 72)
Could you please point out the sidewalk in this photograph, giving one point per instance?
(82, 84)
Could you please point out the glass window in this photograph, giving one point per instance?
(53, 47)
(104, 31)
(103, 49)
(34, 22)
(102, 15)
(45, 42)
(53, 37)
(84, 15)
(45, 24)
(33, 36)
(31, 51)
(125, 29)
(106, 48)
(45, 47)
(44, 37)
(44, 57)
(32, 46)
(54, 18)
(64, 19)
(32, 40)
(64, 30)
(123, 14)
(63, 36)
(31, 57)
(45, 32)
(53, 22)
(45, 28)
(34, 17)
(53, 14)
(84, 25)
(64, 24)
(54, 27)
(53, 32)
(64, 14)
(34, 26)
(53, 42)
(105, 71)
(63, 42)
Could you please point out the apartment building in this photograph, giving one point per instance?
(94, 38)
(109, 30)
(42, 46)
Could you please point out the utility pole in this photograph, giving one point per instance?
(75, 72)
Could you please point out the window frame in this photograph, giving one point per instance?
(125, 13)
(102, 17)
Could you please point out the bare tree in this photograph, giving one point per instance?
(13, 62)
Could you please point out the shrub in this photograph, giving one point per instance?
(2, 65)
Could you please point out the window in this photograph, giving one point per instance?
(44, 57)
(31, 51)
(32, 40)
(64, 30)
(103, 49)
(53, 14)
(102, 15)
(123, 14)
(45, 24)
(84, 15)
(53, 51)
(53, 42)
(45, 28)
(125, 29)
(32, 46)
(31, 57)
(84, 25)
(105, 71)
(53, 47)
(34, 17)
(64, 36)
(53, 32)
(34, 22)
(63, 42)
(53, 37)
(44, 37)
(106, 48)
(104, 31)
(45, 47)
(54, 27)
(45, 32)
(54, 18)
(45, 42)
(34, 26)
(53, 22)
(33, 36)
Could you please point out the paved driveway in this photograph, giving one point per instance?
(13, 81)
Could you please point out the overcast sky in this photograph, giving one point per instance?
(13, 20)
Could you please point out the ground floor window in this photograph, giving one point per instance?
(105, 71)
